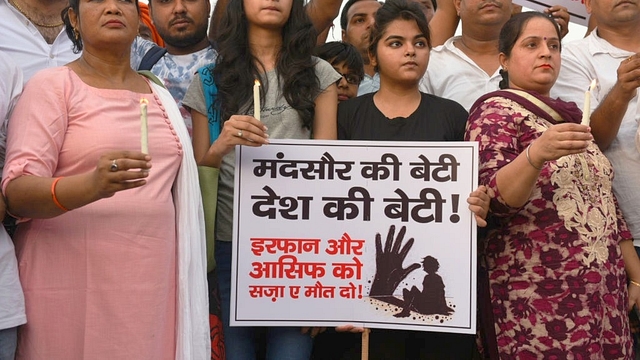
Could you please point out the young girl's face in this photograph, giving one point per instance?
(348, 83)
(268, 13)
(402, 52)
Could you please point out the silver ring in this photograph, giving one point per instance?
(240, 133)
(114, 166)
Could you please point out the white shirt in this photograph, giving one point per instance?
(12, 311)
(595, 58)
(451, 74)
(22, 41)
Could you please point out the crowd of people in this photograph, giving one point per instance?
(117, 254)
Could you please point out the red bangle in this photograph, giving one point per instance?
(53, 194)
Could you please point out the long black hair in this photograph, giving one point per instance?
(236, 68)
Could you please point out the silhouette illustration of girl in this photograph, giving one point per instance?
(431, 299)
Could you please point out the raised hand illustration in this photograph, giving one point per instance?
(389, 263)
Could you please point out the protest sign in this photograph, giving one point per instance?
(375, 234)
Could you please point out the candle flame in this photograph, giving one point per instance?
(256, 82)
(144, 101)
(593, 85)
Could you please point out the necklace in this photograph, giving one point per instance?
(15, 4)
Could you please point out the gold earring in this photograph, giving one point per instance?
(76, 33)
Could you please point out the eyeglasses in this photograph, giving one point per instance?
(351, 79)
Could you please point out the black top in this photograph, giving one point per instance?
(435, 119)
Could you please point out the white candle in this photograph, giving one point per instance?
(144, 132)
(586, 111)
(256, 99)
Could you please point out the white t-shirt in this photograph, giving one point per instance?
(595, 58)
(22, 41)
(12, 311)
(175, 71)
(451, 74)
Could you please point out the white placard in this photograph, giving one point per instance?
(306, 218)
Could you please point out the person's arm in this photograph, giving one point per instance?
(200, 141)
(444, 23)
(607, 117)
(574, 79)
(517, 179)
(322, 36)
(238, 130)
(10, 89)
(325, 123)
(510, 171)
(33, 196)
(632, 268)
(36, 136)
(323, 12)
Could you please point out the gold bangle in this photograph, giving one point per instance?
(634, 283)
(526, 152)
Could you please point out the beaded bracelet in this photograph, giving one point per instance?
(53, 194)
(529, 158)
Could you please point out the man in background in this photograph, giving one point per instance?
(182, 25)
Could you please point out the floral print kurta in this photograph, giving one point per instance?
(556, 274)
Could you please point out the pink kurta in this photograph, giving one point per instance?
(99, 281)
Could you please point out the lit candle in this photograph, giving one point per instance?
(256, 99)
(586, 112)
(144, 132)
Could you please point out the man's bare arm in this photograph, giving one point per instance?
(444, 23)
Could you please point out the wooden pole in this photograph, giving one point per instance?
(365, 344)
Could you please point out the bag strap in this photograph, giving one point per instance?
(151, 57)
(151, 76)
(210, 95)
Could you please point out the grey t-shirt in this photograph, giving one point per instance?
(282, 120)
